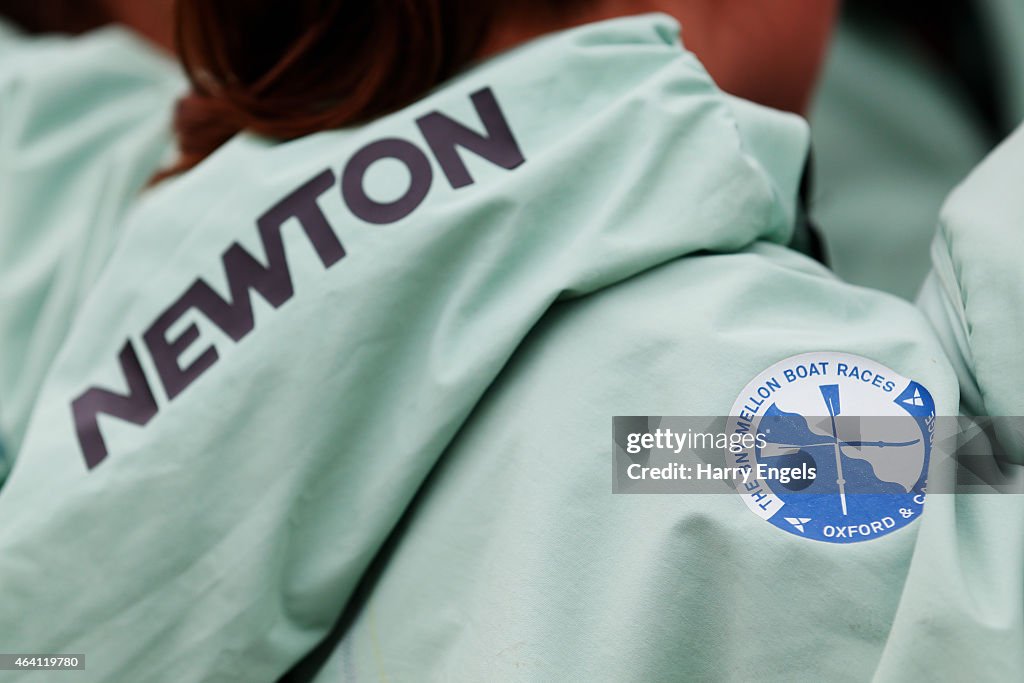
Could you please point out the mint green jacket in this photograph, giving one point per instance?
(84, 123)
(356, 391)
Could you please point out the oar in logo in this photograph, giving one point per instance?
(830, 392)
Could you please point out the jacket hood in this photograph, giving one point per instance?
(564, 166)
(631, 156)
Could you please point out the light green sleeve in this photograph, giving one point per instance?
(84, 123)
(963, 590)
(975, 293)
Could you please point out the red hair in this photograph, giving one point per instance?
(288, 69)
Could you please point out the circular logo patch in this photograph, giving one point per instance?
(840, 449)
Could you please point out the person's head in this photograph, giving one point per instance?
(287, 69)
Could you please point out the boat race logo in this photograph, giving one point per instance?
(840, 447)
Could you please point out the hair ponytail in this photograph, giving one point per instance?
(288, 69)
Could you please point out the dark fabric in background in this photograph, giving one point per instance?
(954, 35)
